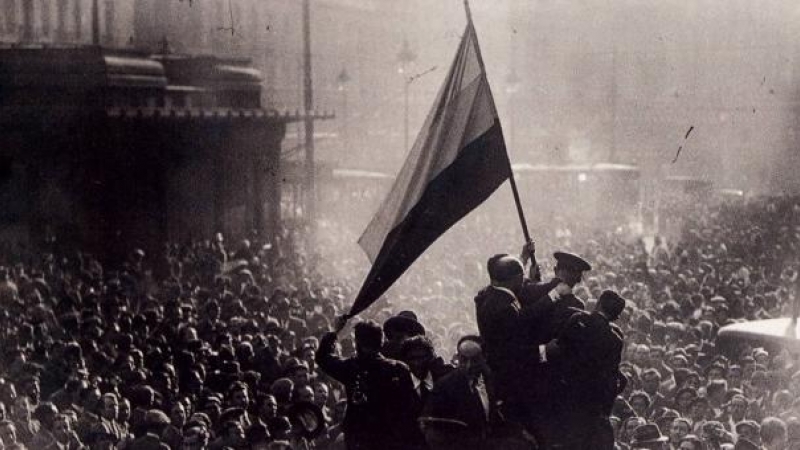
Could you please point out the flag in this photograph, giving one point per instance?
(457, 161)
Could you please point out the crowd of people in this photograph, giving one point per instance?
(214, 345)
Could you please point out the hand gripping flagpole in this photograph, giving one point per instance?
(511, 179)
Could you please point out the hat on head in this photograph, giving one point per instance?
(647, 434)
(307, 419)
(611, 303)
(666, 416)
(571, 261)
(293, 364)
(755, 426)
(156, 417)
(404, 322)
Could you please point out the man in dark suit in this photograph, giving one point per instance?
(379, 415)
(587, 354)
(546, 308)
(460, 409)
(497, 309)
(426, 370)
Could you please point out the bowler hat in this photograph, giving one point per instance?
(307, 419)
(647, 434)
(404, 322)
(571, 261)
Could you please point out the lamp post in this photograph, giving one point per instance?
(405, 57)
(342, 81)
(308, 106)
(512, 87)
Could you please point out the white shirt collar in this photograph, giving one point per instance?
(417, 382)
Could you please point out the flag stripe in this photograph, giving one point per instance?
(463, 111)
(481, 167)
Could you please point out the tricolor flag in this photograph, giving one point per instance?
(458, 160)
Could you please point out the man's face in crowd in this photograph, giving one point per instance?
(734, 378)
(738, 408)
(305, 394)
(642, 355)
(178, 415)
(715, 373)
(699, 410)
(639, 405)
(124, 411)
(8, 435)
(240, 398)
(20, 409)
(62, 428)
(300, 376)
(650, 384)
(269, 408)
(321, 394)
(657, 355)
(750, 434)
(419, 361)
(677, 362)
(688, 446)
(693, 381)
(234, 434)
(33, 391)
(678, 430)
(110, 409)
(470, 358)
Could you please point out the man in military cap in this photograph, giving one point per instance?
(587, 354)
(546, 308)
(561, 304)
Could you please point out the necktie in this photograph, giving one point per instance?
(423, 392)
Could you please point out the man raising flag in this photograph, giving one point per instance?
(457, 161)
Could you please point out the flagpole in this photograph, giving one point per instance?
(511, 179)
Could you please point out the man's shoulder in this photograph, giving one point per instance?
(484, 294)
(392, 364)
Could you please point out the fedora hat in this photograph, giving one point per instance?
(647, 434)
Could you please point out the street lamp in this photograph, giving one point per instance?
(342, 81)
(405, 57)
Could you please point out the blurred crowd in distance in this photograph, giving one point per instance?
(213, 344)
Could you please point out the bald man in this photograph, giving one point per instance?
(498, 308)
(461, 405)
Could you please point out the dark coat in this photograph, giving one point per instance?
(379, 415)
(498, 317)
(592, 350)
(454, 398)
(552, 316)
(541, 321)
